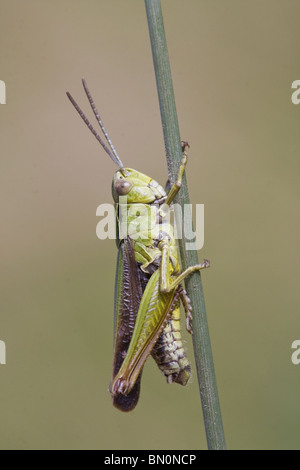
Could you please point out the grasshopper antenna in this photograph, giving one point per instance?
(112, 151)
(93, 106)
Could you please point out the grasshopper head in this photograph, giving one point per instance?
(136, 186)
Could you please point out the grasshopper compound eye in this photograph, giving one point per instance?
(122, 187)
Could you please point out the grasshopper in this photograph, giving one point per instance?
(148, 287)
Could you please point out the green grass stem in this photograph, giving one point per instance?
(201, 340)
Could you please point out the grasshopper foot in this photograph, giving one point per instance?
(120, 387)
(184, 145)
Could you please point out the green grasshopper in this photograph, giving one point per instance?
(148, 286)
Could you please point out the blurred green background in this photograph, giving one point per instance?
(233, 64)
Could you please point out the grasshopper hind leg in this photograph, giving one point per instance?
(186, 301)
(168, 351)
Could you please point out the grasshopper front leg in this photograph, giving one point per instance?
(168, 281)
(178, 183)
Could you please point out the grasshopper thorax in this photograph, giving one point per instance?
(137, 187)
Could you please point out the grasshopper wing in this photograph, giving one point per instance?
(128, 294)
(154, 310)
